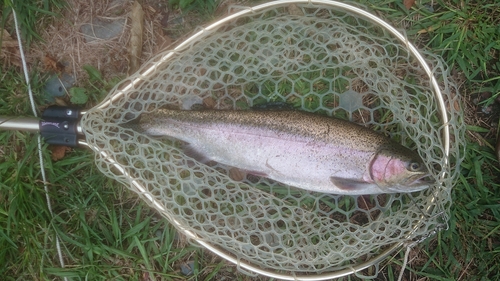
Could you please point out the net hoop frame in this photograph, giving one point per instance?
(204, 30)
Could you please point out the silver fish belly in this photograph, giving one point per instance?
(300, 149)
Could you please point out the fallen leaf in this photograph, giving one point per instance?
(236, 174)
(58, 151)
(137, 16)
(145, 276)
(209, 102)
(226, 7)
(9, 51)
(408, 3)
(452, 103)
(164, 19)
(51, 64)
(425, 30)
(295, 10)
(162, 42)
(60, 101)
(7, 40)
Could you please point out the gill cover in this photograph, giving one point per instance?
(396, 168)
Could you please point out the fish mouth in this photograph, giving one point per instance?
(419, 182)
(415, 183)
(425, 179)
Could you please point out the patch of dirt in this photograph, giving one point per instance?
(64, 41)
(64, 48)
(9, 51)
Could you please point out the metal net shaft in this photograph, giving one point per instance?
(319, 58)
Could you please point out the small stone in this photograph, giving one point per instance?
(58, 86)
(429, 8)
(487, 109)
(187, 268)
(178, 20)
(101, 29)
(117, 7)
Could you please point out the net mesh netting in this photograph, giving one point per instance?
(319, 59)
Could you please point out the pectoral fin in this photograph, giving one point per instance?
(350, 184)
(193, 152)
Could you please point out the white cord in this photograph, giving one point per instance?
(40, 155)
(405, 262)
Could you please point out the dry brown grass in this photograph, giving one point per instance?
(64, 41)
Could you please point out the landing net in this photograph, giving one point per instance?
(320, 56)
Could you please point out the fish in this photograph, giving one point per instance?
(304, 150)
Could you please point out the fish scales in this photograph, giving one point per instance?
(292, 122)
(297, 148)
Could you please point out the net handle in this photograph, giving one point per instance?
(25, 124)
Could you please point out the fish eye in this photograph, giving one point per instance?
(414, 166)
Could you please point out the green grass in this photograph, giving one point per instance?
(108, 233)
(31, 15)
(467, 35)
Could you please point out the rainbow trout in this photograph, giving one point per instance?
(300, 149)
